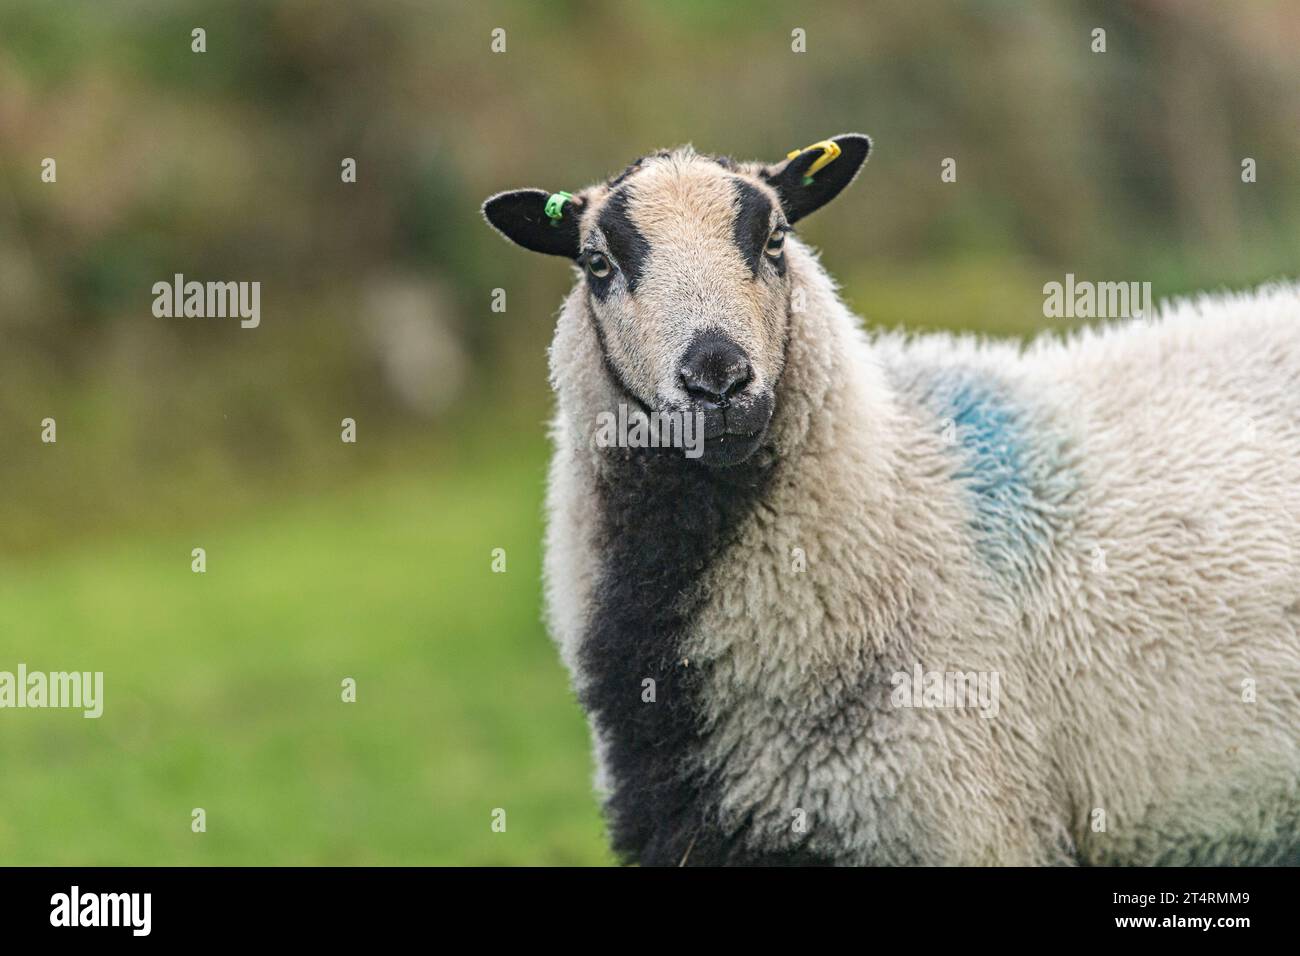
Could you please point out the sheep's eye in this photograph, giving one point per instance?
(775, 243)
(598, 265)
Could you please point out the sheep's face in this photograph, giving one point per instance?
(684, 275)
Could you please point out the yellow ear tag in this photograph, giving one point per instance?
(830, 152)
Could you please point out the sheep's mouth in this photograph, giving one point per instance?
(728, 448)
(734, 433)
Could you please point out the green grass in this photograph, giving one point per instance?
(222, 690)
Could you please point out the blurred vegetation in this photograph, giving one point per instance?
(222, 691)
(373, 560)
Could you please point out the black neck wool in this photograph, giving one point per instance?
(664, 520)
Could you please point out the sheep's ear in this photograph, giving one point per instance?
(521, 216)
(802, 193)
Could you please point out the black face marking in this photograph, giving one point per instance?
(628, 247)
(752, 224)
(628, 171)
(663, 521)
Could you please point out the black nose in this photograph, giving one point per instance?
(715, 368)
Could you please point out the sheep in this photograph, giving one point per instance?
(773, 640)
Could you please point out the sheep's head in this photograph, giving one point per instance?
(683, 263)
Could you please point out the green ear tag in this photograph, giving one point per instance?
(555, 206)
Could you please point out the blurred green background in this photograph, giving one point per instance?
(373, 560)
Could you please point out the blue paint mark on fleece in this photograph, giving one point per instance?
(995, 469)
(1010, 467)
